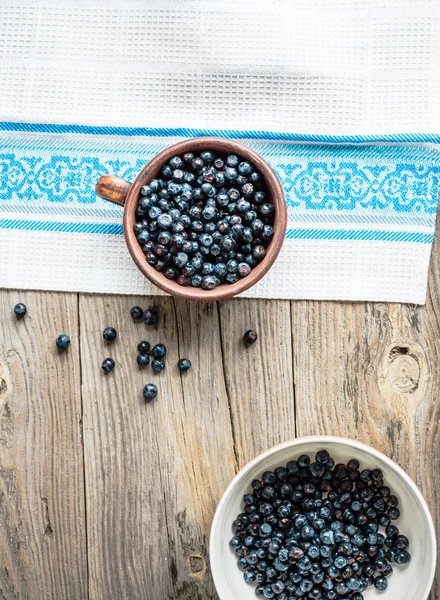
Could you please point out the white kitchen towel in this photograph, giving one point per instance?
(341, 96)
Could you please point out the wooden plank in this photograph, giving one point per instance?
(152, 481)
(259, 378)
(371, 372)
(42, 516)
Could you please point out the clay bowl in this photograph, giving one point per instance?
(127, 194)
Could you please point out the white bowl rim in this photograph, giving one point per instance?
(331, 440)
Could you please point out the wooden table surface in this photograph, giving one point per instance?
(105, 497)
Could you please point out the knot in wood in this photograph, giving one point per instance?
(3, 386)
(404, 370)
(196, 565)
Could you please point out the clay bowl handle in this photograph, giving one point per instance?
(112, 188)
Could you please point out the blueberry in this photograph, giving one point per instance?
(109, 334)
(401, 542)
(63, 341)
(258, 252)
(222, 200)
(150, 316)
(178, 175)
(257, 226)
(136, 313)
(143, 236)
(210, 282)
(143, 347)
(247, 189)
(108, 365)
(157, 364)
(228, 243)
(402, 557)
(250, 337)
(188, 157)
(207, 157)
(181, 259)
(230, 174)
(381, 583)
(249, 576)
(267, 233)
(150, 391)
(196, 280)
(143, 360)
(164, 221)
(205, 239)
(393, 513)
(243, 206)
(244, 168)
(184, 364)
(20, 310)
(209, 213)
(159, 351)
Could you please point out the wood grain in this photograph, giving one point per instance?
(151, 486)
(259, 378)
(371, 372)
(42, 518)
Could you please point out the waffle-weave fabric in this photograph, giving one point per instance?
(341, 97)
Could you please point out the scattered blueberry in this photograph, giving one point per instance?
(20, 310)
(150, 391)
(109, 334)
(250, 337)
(158, 365)
(184, 364)
(150, 316)
(144, 347)
(136, 313)
(207, 211)
(143, 360)
(63, 342)
(108, 365)
(159, 351)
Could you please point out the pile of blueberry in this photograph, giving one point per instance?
(207, 221)
(319, 531)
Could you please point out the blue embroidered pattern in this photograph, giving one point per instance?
(49, 175)
(316, 185)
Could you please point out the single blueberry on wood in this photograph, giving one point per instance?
(250, 337)
(20, 310)
(136, 313)
(108, 364)
(63, 342)
(150, 316)
(184, 364)
(150, 391)
(109, 334)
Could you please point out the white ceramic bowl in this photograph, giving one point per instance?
(408, 582)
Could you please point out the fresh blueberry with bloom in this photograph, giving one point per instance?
(136, 313)
(150, 316)
(20, 310)
(150, 391)
(63, 342)
(143, 360)
(108, 364)
(109, 334)
(184, 364)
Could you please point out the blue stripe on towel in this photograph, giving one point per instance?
(406, 138)
(291, 234)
